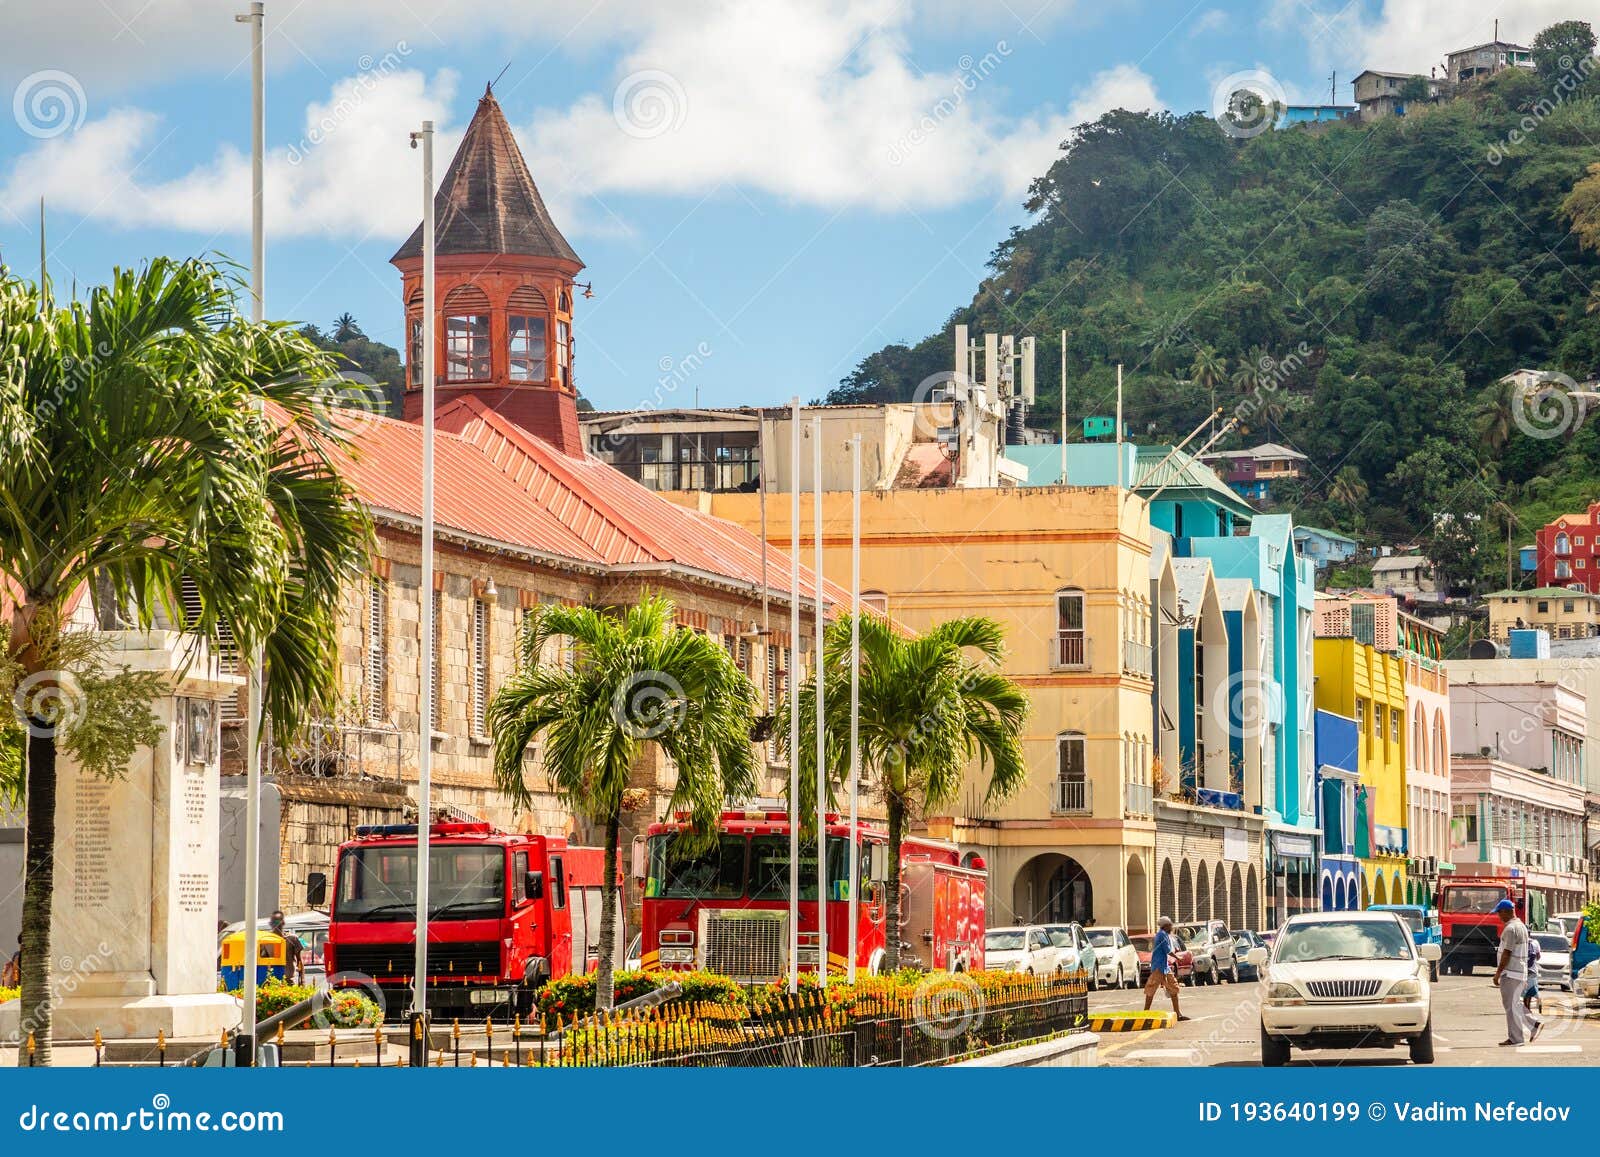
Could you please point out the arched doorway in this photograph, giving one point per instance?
(1185, 911)
(1219, 898)
(1380, 890)
(1138, 885)
(1202, 895)
(1236, 900)
(1327, 892)
(1053, 889)
(1167, 900)
(1340, 899)
(1396, 889)
(1252, 899)
(1361, 897)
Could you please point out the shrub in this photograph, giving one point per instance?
(569, 996)
(347, 1008)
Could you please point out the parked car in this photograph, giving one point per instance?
(1423, 922)
(1346, 980)
(1182, 958)
(1074, 953)
(1022, 948)
(1244, 940)
(1565, 923)
(1555, 960)
(1212, 947)
(1116, 959)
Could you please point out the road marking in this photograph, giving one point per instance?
(1156, 1054)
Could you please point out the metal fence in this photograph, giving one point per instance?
(877, 1023)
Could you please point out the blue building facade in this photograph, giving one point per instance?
(1338, 782)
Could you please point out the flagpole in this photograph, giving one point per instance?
(1063, 479)
(822, 766)
(855, 702)
(794, 694)
(245, 1044)
(419, 998)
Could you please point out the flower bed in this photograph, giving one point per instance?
(568, 996)
(346, 1008)
(9, 994)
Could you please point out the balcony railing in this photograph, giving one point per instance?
(1070, 797)
(1140, 799)
(1137, 658)
(1072, 649)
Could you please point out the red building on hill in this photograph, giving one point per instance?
(1568, 551)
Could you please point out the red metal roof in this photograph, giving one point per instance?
(496, 481)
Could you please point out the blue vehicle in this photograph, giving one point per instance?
(1423, 922)
(1585, 953)
(1244, 940)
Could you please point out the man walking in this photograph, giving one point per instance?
(1163, 969)
(1511, 976)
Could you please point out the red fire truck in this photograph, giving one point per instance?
(728, 909)
(1470, 931)
(507, 912)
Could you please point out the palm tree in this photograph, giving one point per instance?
(1207, 371)
(635, 678)
(1495, 416)
(1349, 490)
(158, 445)
(927, 710)
(345, 327)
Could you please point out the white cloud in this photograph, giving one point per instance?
(1211, 20)
(809, 100)
(347, 173)
(1415, 35)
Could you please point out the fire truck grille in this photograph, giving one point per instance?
(396, 961)
(1342, 989)
(746, 945)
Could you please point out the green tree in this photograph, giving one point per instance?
(345, 328)
(1208, 371)
(635, 678)
(1561, 48)
(157, 444)
(927, 710)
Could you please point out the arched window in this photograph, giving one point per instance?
(875, 601)
(466, 335)
(1419, 740)
(1563, 543)
(1071, 646)
(526, 322)
(414, 337)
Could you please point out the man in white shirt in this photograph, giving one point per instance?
(1511, 976)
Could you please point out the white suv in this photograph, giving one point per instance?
(1023, 948)
(1345, 980)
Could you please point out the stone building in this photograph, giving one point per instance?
(524, 516)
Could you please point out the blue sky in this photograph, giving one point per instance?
(776, 187)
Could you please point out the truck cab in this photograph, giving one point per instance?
(506, 913)
(1470, 931)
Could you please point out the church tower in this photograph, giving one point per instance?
(503, 292)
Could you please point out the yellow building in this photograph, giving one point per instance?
(1357, 681)
(1066, 570)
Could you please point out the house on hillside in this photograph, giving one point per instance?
(1324, 548)
(1407, 575)
(1383, 94)
(1469, 65)
(1251, 472)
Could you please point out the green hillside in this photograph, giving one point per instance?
(1353, 290)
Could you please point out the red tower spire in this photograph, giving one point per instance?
(504, 289)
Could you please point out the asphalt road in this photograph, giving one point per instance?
(1225, 1024)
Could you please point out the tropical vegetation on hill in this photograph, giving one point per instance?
(1355, 290)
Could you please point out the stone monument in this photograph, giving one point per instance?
(134, 926)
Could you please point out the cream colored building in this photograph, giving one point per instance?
(1565, 613)
(1066, 570)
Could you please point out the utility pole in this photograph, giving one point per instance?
(244, 1046)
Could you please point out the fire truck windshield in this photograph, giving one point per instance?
(380, 883)
(716, 874)
(1478, 901)
(762, 862)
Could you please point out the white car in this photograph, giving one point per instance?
(1074, 953)
(1022, 948)
(1588, 981)
(1345, 980)
(1555, 960)
(1116, 960)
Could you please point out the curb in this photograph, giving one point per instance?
(1129, 1021)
